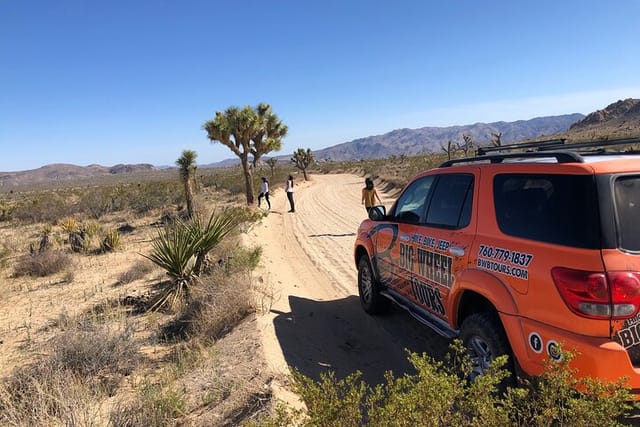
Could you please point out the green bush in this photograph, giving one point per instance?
(439, 394)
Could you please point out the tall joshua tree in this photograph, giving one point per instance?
(302, 160)
(187, 164)
(247, 132)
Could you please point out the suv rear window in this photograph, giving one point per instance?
(559, 209)
(627, 198)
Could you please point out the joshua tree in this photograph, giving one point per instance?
(271, 162)
(302, 159)
(187, 164)
(450, 149)
(247, 131)
(496, 139)
(466, 146)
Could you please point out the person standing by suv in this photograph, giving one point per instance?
(369, 195)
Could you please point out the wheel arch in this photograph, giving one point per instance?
(479, 291)
(359, 252)
(476, 291)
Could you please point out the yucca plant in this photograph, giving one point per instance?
(180, 249)
(68, 225)
(210, 234)
(174, 251)
(112, 241)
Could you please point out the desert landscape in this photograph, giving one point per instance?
(82, 343)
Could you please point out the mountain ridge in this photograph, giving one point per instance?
(618, 119)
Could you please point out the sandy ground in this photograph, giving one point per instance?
(315, 323)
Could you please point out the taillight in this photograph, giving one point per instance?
(599, 295)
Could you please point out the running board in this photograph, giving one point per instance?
(438, 325)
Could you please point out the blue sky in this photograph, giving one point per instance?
(116, 81)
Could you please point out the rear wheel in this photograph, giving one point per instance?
(369, 289)
(485, 340)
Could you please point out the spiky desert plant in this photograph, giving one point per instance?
(68, 225)
(209, 234)
(111, 241)
(174, 251)
(181, 250)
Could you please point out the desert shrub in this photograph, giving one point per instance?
(92, 350)
(439, 394)
(5, 254)
(46, 206)
(84, 365)
(42, 264)
(155, 405)
(46, 395)
(217, 305)
(144, 197)
(97, 202)
(138, 271)
(6, 211)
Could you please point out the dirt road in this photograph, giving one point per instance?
(315, 323)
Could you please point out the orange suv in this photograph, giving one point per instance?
(521, 250)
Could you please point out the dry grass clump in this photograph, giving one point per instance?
(221, 298)
(138, 271)
(48, 395)
(85, 364)
(155, 406)
(42, 264)
(94, 350)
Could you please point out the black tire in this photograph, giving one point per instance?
(369, 289)
(485, 340)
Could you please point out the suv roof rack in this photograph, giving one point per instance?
(560, 156)
(561, 143)
(526, 146)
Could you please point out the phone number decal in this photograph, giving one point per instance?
(516, 258)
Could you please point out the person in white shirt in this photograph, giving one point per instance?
(264, 192)
(289, 189)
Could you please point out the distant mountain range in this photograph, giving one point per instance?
(57, 172)
(431, 139)
(619, 119)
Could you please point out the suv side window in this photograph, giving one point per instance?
(559, 209)
(627, 198)
(450, 205)
(411, 204)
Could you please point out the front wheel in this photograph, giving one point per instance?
(369, 289)
(485, 340)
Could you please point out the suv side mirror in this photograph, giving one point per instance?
(377, 213)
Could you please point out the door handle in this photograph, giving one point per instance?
(456, 251)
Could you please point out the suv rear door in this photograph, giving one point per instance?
(620, 204)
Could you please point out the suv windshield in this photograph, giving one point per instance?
(627, 199)
(559, 209)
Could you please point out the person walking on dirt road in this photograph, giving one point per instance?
(288, 187)
(369, 195)
(264, 192)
